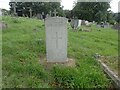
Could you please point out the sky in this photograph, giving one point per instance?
(68, 4)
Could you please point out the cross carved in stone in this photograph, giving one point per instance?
(57, 38)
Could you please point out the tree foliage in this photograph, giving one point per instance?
(37, 7)
(91, 11)
(117, 17)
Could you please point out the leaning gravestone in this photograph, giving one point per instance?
(56, 39)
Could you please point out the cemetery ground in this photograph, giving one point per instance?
(24, 46)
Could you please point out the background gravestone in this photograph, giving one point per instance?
(79, 24)
(74, 23)
(38, 16)
(30, 13)
(56, 39)
(50, 13)
(116, 26)
(83, 22)
(14, 8)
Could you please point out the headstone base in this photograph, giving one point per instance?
(69, 63)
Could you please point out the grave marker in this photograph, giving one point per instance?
(47, 15)
(14, 8)
(56, 39)
(83, 22)
(43, 16)
(50, 13)
(79, 23)
(30, 12)
(74, 23)
(55, 13)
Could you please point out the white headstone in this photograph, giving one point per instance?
(56, 39)
(93, 22)
(86, 23)
(79, 23)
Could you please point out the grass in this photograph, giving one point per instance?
(24, 43)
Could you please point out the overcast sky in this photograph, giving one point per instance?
(68, 4)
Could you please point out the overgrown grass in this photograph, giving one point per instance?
(24, 42)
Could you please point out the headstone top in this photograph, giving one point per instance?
(55, 20)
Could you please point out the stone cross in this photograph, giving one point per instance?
(50, 13)
(56, 39)
(30, 12)
(55, 12)
(14, 8)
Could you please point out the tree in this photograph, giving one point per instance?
(91, 11)
(67, 13)
(37, 7)
(117, 17)
(5, 12)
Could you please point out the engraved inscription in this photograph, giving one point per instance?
(57, 39)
